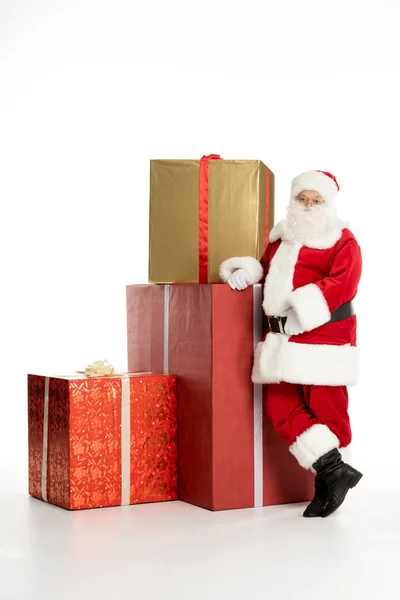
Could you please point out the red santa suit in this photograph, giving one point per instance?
(308, 373)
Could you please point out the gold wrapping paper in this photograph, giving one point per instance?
(236, 216)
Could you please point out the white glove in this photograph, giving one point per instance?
(292, 325)
(238, 280)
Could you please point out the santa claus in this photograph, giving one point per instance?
(310, 269)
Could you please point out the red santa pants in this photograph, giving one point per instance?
(312, 419)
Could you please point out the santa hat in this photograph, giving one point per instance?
(320, 181)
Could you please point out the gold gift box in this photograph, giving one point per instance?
(240, 203)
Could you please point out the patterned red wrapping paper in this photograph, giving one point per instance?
(110, 440)
(229, 455)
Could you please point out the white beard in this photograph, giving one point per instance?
(303, 225)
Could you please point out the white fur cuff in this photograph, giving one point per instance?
(312, 444)
(311, 307)
(251, 265)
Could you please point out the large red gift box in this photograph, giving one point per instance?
(229, 455)
(102, 441)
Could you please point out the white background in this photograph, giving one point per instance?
(91, 90)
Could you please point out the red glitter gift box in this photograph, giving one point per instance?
(102, 441)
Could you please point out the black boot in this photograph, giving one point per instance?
(339, 478)
(318, 503)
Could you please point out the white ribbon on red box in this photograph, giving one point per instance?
(258, 401)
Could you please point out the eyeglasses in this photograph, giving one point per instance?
(304, 200)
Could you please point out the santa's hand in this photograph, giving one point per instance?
(238, 280)
(292, 325)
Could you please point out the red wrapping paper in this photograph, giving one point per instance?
(84, 454)
(207, 339)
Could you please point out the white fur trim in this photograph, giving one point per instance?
(279, 281)
(323, 242)
(269, 359)
(276, 232)
(251, 265)
(312, 444)
(311, 307)
(346, 453)
(277, 359)
(314, 180)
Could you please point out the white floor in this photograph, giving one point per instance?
(176, 551)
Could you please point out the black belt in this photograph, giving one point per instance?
(277, 324)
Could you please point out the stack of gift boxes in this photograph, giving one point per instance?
(186, 421)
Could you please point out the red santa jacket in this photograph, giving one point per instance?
(314, 279)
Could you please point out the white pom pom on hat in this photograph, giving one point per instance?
(320, 181)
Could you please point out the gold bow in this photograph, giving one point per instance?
(99, 368)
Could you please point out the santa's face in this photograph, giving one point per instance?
(308, 216)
